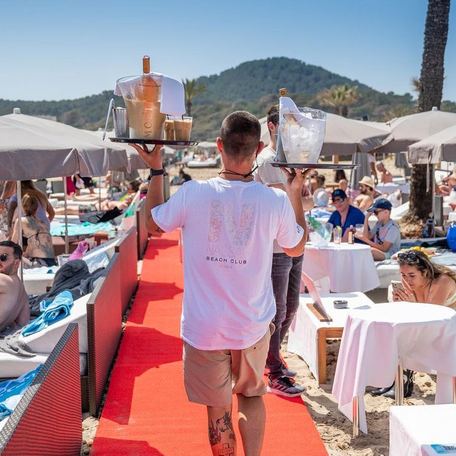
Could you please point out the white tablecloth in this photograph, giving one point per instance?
(302, 338)
(350, 267)
(414, 429)
(421, 336)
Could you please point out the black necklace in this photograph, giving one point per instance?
(234, 173)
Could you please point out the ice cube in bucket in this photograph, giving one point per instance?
(302, 134)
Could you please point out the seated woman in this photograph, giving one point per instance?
(385, 238)
(425, 281)
(132, 189)
(45, 210)
(36, 237)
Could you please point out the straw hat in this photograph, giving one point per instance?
(368, 182)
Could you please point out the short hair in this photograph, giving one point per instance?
(30, 204)
(240, 134)
(17, 251)
(273, 115)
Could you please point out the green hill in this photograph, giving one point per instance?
(252, 86)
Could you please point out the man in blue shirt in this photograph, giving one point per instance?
(345, 214)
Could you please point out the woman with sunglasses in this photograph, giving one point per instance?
(425, 281)
(36, 236)
(385, 238)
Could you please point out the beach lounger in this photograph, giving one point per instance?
(100, 318)
(47, 420)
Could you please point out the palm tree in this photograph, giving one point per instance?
(192, 88)
(430, 95)
(339, 98)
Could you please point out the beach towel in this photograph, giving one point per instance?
(11, 391)
(53, 311)
(73, 276)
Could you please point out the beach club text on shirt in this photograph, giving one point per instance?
(228, 230)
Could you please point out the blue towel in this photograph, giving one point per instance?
(9, 388)
(53, 312)
(4, 411)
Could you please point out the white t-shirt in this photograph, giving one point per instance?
(268, 174)
(228, 228)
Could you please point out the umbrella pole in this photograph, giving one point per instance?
(99, 193)
(67, 246)
(19, 223)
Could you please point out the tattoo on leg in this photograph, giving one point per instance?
(223, 424)
(215, 436)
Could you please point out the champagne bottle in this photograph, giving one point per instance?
(145, 118)
(280, 154)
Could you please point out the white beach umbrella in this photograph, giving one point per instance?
(34, 148)
(410, 129)
(434, 148)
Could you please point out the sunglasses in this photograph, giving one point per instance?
(377, 211)
(3, 257)
(338, 200)
(409, 257)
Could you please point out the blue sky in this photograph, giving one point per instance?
(56, 49)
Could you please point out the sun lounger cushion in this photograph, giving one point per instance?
(12, 366)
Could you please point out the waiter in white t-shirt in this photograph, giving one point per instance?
(228, 225)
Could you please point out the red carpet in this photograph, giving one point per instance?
(146, 410)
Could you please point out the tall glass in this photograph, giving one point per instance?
(337, 235)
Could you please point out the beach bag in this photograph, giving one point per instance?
(451, 237)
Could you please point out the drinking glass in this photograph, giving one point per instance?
(328, 231)
(359, 229)
(337, 235)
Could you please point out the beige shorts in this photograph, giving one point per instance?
(211, 377)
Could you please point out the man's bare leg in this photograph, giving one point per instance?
(221, 432)
(252, 419)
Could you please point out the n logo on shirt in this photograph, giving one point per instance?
(230, 228)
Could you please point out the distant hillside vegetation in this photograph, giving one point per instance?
(251, 86)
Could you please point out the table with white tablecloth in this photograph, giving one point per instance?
(307, 336)
(414, 430)
(349, 267)
(418, 336)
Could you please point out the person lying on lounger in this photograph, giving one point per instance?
(132, 189)
(14, 306)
